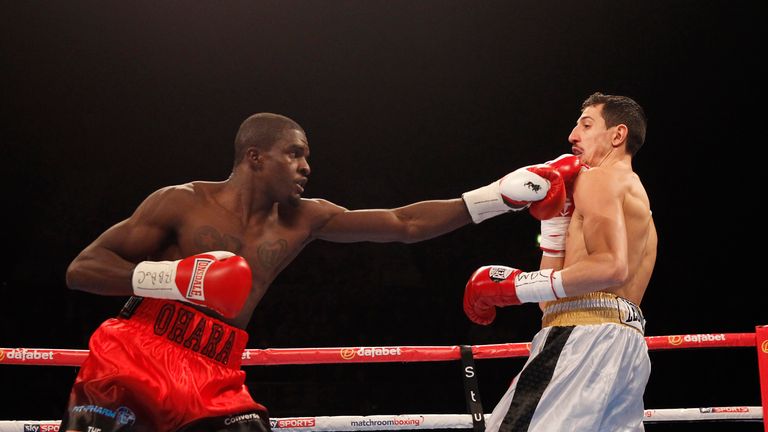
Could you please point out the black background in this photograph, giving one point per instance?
(105, 102)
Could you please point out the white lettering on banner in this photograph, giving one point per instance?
(375, 351)
(704, 337)
(25, 354)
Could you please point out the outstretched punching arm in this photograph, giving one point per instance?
(427, 219)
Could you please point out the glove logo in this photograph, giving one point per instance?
(532, 186)
(498, 274)
(196, 289)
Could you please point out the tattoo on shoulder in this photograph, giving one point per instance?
(270, 253)
(208, 238)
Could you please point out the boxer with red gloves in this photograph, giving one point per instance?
(588, 365)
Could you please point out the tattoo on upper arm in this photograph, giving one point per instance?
(207, 238)
(270, 253)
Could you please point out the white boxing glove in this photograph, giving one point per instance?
(513, 192)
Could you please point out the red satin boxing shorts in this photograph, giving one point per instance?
(163, 366)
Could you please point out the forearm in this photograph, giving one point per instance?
(427, 219)
(550, 262)
(595, 272)
(100, 271)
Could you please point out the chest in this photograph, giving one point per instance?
(267, 245)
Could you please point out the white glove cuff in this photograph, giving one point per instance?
(539, 286)
(156, 279)
(485, 202)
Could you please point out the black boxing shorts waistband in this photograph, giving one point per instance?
(188, 328)
(594, 308)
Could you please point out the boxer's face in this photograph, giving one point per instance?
(590, 138)
(287, 167)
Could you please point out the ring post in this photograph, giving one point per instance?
(761, 342)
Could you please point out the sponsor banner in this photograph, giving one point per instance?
(20, 355)
(293, 423)
(41, 427)
(42, 356)
(706, 413)
(701, 340)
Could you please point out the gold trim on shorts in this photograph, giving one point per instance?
(591, 309)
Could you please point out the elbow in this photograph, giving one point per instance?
(73, 275)
(619, 273)
(409, 232)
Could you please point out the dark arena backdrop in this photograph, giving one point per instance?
(104, 102)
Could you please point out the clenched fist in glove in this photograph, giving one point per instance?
(219, 280)
(515, 191)
(495, 286)
(568, 166)
(554, 229)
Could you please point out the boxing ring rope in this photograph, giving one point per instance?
(339, 355)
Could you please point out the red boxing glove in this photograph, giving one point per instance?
(492, 286)
(568, 167)
(219, 280)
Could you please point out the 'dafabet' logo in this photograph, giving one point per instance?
(675, 340)
(350, 353)
(763, 347)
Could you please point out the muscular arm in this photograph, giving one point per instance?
(409, 224)
(599, 200)
(106, 265)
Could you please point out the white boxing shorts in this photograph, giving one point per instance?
(587, 370)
